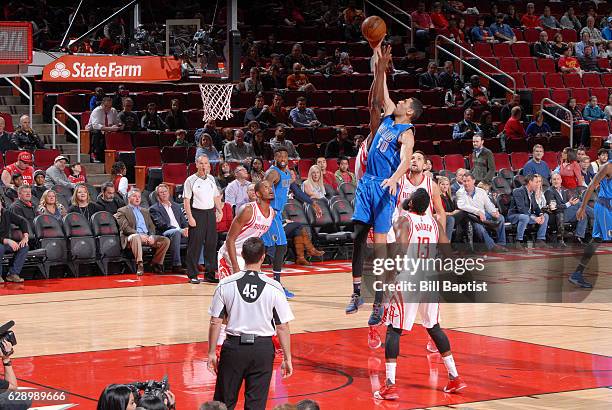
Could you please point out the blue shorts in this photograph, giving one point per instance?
(373, 204)
(276, 234)
(602, 219)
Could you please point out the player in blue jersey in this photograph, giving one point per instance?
(388, 160)
(275, 240)
(602, 221)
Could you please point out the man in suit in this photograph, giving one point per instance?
(448, 77)
(484, 162)
(137, 228)
(456, 186)
(171, 223)
(467, 128)
(429, 80)
(564, 208)
(524, 210)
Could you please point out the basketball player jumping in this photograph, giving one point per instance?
(388, 160)
(421, 233)
(602, 221)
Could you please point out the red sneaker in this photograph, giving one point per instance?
(374, 341)
(387, 392)
(431, 347)
(455, 385)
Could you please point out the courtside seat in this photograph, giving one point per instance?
(81, 242)
(326, 231)
(501, 185)
(36, 257)
(50, 235)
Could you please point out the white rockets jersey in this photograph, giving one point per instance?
(403, 192)
(423, 232)
(361, 161)
(255, 228)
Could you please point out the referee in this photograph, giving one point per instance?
(201, 198)
(250, 301)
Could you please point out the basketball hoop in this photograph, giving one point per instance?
(216, 100)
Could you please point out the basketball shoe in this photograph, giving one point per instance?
(577, 279)
(455, 385)
(377, 313)
(353, 305)
(387, 392)
(431, 346)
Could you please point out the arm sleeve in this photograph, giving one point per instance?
(187, 187)
(283, 313)
(157, 219)
(462, 203)
(490, 167)
(230, 194)
(217, 305)
(299, 194)
(296, 123)
(123, 186)
(457, 134)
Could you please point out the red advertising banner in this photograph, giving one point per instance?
(15, 42)
(100, 68)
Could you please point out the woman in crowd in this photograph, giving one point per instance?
(539, 193)
(558, 45)
(176, 120)
(81, 202)
(257, 170)
(538, 128)
(118, 179)
(261, 148)
(454, 216)
(253, 83)
(225, 174)
(487, 128)
(314, 186)
(117, 397)
(571, 175)
(49, 206)
(207, 148)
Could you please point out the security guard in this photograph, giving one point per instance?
(251, 302)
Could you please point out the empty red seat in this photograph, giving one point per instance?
(603, 63)
(342, 98)
(486, 68)
(517, 145)
(502, 50)
(534, 80)
(527, 65)
(538, 94)
(546, 65)
(360, 82)
(422, 132)
(591, 80)
(531, 35)
(174, 155)
(73, 102)
(520, 80)
(560, 95)
(300, 135)
(483, 50)
(581, 95)
(323, 134)
(508, 65)
(518, 33)
(8, 122)
(166, 139)
(145, 139)
(554, 80)
(405, 81)
(450, 147)
(501, 160)
(148, 156)
(519, 159)
(174, 173)
(308, 150)
(551, 159)
(321, 98)
(441, 131)
(600, 93)
(324, 115)
(119, 141)
(437, 163)
(569, 35)
(599, 128)
(43, 158)
(345, 116)
(453, 162)
(521, 49)
(572, 80)
(304, 166)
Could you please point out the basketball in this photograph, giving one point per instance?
(374, 30)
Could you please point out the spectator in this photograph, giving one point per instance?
(558, 45)
(539, 128)
(225, 175)
(82, 203)
(24, 137)
(524, 211)
(606, 33)
(543, 48)
(97, 98)
(120, 182)
(76, 174)
(108, 200)
(454, 216)
(588, 62)
(278, 111)
(513, 128)
(592, 111)
(6, 139)
(260, 112)
(48, 205)
(301, 116)
(22, 166)
(438, 18)
(20, 250)
(501, 31)
(128, 119)
(529, 19)
(586, 41)
(297, 56)
(568, 64)
(455, 97)
(343, 174)
(136, 228)
(236, 191)
(607, 53)
(569, 169)
(117, 396)
(448, 77)
(602, 158)
(422, 26)
(506, 110)
(539, 193)
(594, 33)
(23, 206)
(207, 148)
(228, 136)
(547, 20)
(151, 121)
(257, 173)
(307, 404)
(261, 148)
(328, 177)
(298, 81)
(487, 128)
(176, 120)
(280, 141)
(585, 169)
(340, 146)
(55, 174)
(536, 165)
(170, 222)
(103, 119)
(16, 181)
(481, 33)
(180, 139)
(455, 186)
(210, 128)
(511, 18)
(38, 187)
(252, 60)
(313, 186)
(238, 150)
(428, 80)
(114, 36)
(476, 201)
(121, 93)
(474, 94)
(570, 21)
(274, 81)
(563, 209)
(253, 83)
(484, 163)
(455, 33)
(344, 66)
(466, 128)
(580, 153)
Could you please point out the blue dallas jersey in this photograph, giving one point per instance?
(281, 190)
(384, 155)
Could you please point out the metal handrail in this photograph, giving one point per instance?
(55, 121)
(404, 12)
(401, 23)
(463, 62)
(571, 117)
(27, 95)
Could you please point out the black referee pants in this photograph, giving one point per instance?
(205, 232)
(251, 363)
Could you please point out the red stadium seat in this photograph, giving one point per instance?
(323, 134)
(437, 163)
(345, 116)
(520, 80)
(321, 98)
(174, 173)
(572, 80)
(527, 65)
(518, 33)
(521, 49)
(449, 147)
(342, 99)
(145, 139)
(43, 158)
(603, 63)
(550, 158)
(539, 94)
(483, 50)
(422, 132)
(569, 35)
(534, 79)
(502, 50)
(501, 160)
(453, 162)
(600, 93)
(517, 145)
(8, 122)
(531, 35)
(441, 132)
(303, 167)
(599, 128)
(560, 95)
(508, 65)
(518, 159)
(73, 102)
(581, 95)
(308, 150)
(591, 80)
(148, 156)
(546, 65)
(554, 80)
(174, 155)
(119, 141)
(299, 135)
(360, 81)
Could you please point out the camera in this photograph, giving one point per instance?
(152, 387)
(8, 335)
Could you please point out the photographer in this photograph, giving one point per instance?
(117, 397)
(10, 381)
(9, 384)
(155, 402)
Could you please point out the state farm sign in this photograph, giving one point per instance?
(15, 42)
(95, 68)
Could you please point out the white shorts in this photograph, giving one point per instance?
(224, 266)
(402, 315)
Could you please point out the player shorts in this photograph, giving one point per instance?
(602, 219)
(402, 315)
(276, 234)
(224, 267)
(373, 204)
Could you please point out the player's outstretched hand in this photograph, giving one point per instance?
(391, 184)
(580, 214)
(383, 57)
(317, 209)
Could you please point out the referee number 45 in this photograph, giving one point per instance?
(250, 291)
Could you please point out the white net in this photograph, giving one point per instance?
(216, 100)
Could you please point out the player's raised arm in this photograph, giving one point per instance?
(382, 53)
(604, 172)
(244, 216)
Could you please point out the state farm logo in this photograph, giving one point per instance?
(60, 70)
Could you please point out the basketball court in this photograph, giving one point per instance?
(78, 335)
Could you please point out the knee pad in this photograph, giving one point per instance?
(392, 342)
(440, 339)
